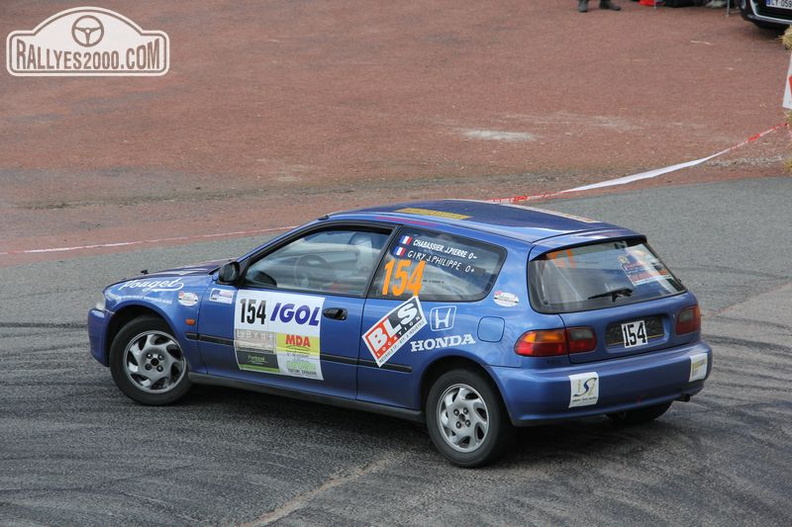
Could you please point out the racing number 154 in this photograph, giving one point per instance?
(398, 280)
(249, 311)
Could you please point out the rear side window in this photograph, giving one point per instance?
(598, 276)
(437, 267)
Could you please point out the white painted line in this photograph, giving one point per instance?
(193, 237)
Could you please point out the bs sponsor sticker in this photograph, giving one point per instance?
(87, 42)
(583, 389)
(393, 330)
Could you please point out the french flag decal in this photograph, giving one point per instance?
(400, 251)
(406, 240)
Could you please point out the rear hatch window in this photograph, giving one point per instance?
(599, 276)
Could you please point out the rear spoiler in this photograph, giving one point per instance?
(576, 239)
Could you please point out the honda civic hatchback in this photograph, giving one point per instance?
(471, 317)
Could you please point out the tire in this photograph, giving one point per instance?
(466, 419)
(641, 415)
(147, 363)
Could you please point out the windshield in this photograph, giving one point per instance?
(598, 276)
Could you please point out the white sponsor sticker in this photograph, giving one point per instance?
(393, 330)
(506, 299)
(698, 367)
(787, 101)
(583, 389)
(187, 299)
(278, 333)
(222, 296)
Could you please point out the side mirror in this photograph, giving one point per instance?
(229, 273)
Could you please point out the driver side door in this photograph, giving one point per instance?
(294, 320)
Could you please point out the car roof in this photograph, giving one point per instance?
(528, 224)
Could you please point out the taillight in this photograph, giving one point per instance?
(555, 342)
(544, 343)
(581, 340)
(689, 320)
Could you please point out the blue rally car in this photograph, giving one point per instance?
(472, 317)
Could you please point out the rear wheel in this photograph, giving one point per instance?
(147, 363)
(641, 415)
(466, 418)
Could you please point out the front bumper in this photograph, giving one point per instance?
(97, 331)
(536, 396)
(759, 14)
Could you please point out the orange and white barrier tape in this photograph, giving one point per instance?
(514, 199)
(643, 175)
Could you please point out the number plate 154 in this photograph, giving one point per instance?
(634, 334)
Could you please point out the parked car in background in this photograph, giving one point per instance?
(472, 317)
(773, 14)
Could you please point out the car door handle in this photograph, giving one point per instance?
(335, 313)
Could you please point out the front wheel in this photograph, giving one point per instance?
(147, 363)
(466, 418)
(641, 415)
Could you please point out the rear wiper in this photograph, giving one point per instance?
(616, 293)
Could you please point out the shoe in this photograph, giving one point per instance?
(583, 6)
(607, 4)
(715, 4)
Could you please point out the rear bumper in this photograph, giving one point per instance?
(541, 396)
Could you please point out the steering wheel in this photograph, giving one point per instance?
(313, 272)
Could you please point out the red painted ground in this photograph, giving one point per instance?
(275, 112)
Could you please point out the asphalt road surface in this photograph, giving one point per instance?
(75, 451)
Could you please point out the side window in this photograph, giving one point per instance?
(330, 261)
(437, 267)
